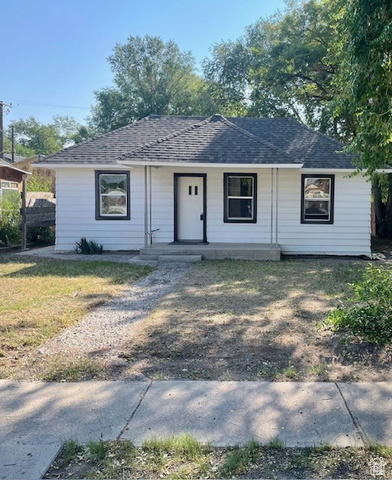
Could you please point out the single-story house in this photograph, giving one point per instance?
(229, 182)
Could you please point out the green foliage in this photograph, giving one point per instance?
(33, 137)
(151, 77)
(41, 235)
(97, 450)
(88, 247)
(285, 65)
(69, 449)
(276, 444)
(36, 183)
(10, 218)
(240, 459)
(366, 30)
(371, 315)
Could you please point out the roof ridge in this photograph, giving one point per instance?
(175, 134)
(216, 116)
(260, 140)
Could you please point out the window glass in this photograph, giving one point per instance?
(240, 208)
(317, 199)
(240, 198)
(113, 195)
(240, 187)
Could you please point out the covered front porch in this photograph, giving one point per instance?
(210, 251)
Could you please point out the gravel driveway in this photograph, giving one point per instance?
(106, 329)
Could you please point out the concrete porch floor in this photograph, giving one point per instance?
(214, 251)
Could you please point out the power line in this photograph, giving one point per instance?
(39, 104)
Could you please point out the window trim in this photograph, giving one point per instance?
(226, 218)
(331, 200)
(98, 215)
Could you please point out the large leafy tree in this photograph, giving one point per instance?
(285, 65)
(366, 30)
(33, 137)
(150, 77)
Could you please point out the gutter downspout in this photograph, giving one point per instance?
(150, 202)
(272, 205)
(276, 206)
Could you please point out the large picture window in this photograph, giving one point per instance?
(317, 199)
(112, 195)
(240, 197)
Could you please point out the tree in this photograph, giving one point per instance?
(285, 65)
(366, 29)
(32, 137)
(227, 76)
(151, 77)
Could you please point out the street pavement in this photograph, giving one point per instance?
(36, 417)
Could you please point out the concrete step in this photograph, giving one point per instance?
(214, 251)
(180, 258)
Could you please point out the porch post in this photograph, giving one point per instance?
(145, 209)
(150, 201)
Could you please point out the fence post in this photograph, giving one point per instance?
(24, 223)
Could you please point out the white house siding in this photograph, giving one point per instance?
(349, 235)
(217, 230)
(350, 232)
(75, 212)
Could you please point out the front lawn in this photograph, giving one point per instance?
(41, 297)
(239, 320)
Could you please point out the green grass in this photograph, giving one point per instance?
(183, 457)
(69, 450)
(240, 459)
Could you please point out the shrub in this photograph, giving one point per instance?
(41, 235)
(10, 219)
(36, 183)
(87, 247)
(371, 316)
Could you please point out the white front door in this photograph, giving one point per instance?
(190, 208)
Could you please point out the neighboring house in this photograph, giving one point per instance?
(236, 181)
(10, 178)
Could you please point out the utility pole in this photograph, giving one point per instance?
(12, 144)
(2, 105)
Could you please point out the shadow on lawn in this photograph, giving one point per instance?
(252, 321)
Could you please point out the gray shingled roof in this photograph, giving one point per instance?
(213, 140)
(177, 139)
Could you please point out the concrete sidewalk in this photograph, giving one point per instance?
(36, 416)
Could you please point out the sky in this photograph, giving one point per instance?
(54, 52)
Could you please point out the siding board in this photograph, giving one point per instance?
(349, 235)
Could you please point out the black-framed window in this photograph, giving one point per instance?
(112, 195)
(317, 199)
(240, 197)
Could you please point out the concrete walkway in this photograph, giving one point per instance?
(35, 417)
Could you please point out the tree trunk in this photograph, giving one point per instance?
(388, 209)
(377, 199)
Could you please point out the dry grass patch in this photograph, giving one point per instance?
(238, 320)
(41, 297)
